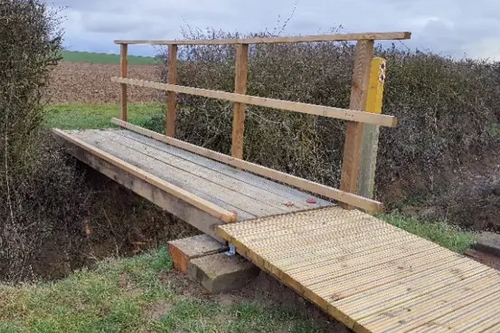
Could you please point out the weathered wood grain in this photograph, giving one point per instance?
(271, 40)
(240, 87)
(288, 194)
(354, 131)
(124, 73)
(312, 109)
(209, 175)
(171, 95)
(304, 184)
(208, 190)
(171, 203)
(209, 207)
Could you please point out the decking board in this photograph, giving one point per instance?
(293, 195)
(389, 281)
(228, 192)
(208, 174)
(198, 218)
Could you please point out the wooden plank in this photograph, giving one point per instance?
(124, 73)
(240, 87)
(312, 109)
(261, 233)
(369, 147)
(252, 192)
(332, 193)
(307, 256)
(298, 198)
(270, 40)
(368, 265)
(171, 95)
(198, 202)
(165, 172)
(473, 318)
(301, 262)
(409, 315)
(354, 131)
(368, 299)
(388, 295)
(353, 284)
(208, 190)
(188, 213)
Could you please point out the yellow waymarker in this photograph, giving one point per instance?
(371, 132)
(376, 89)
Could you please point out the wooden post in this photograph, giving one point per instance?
(240, 87)
(354, 131)
(124, 72)
(371, 132)
(171, 96)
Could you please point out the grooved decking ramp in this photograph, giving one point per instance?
(370, 275)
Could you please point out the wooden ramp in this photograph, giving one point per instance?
(370, 275)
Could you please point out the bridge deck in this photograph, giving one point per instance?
(370, 275)
(244, 193)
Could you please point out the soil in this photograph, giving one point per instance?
(484, 258)
(84, 83)
(121, 224)
(263, 290)
(469, 195)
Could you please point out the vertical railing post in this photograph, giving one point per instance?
(124, 73)
(171, 96)
(371, 132)
(354, 130)
(240, 87)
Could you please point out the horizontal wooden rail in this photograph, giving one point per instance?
(180, 193)
(304, 184)
(318, 110)
(272, 40)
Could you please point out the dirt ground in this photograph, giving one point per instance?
(84, 83)
(264, 290)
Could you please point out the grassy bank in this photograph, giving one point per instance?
(104, 58)
(82, 116)
(133, 295)
(446, 235)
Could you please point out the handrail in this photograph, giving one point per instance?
(273, 40)
(357, 119)
(318, 110)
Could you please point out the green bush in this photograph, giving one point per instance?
(447, 110)
(40, 191)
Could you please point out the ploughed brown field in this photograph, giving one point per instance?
(86, 83)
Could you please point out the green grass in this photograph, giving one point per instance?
(132, 295)
(103, 58)
(83, 116)
(444, 234)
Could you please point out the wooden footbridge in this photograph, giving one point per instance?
(369, 275)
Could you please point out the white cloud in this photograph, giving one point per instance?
(488, 48)
(444, 26)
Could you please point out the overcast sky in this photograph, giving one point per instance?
(450, 27)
